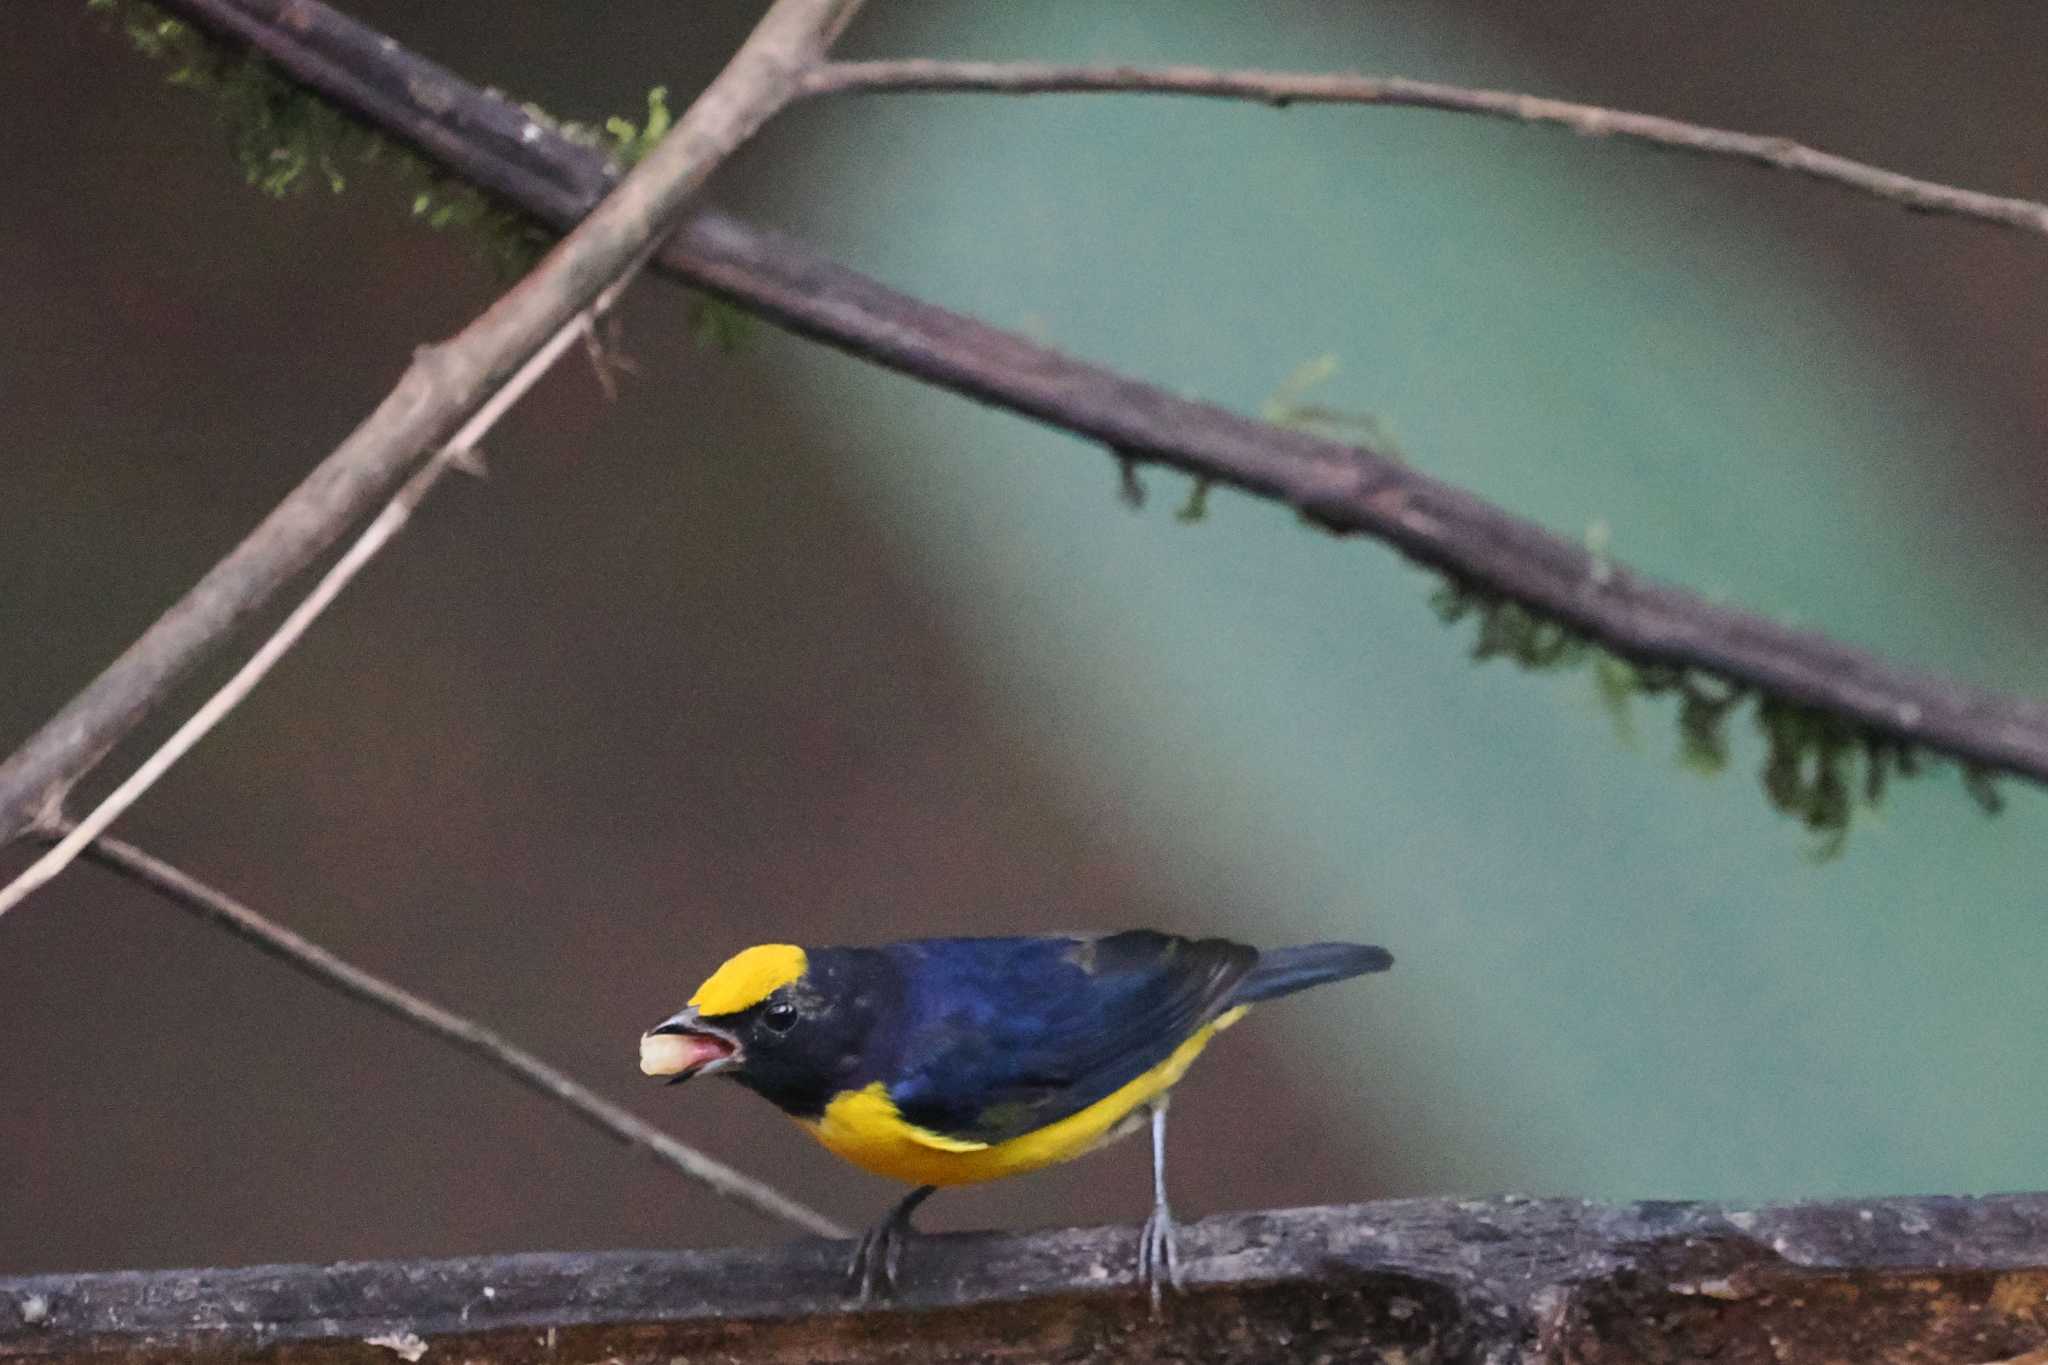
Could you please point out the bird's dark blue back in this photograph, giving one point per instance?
(999, 1036)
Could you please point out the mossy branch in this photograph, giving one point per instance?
(287, 139)
(1819, 767)
(1838, 723)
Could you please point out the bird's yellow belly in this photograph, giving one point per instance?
(864, 1127)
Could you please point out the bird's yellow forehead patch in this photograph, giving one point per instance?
(748, 978)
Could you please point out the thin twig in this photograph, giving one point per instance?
(302, 955)
(444, 384)
(460, 452)
(464, 451)
(1282, 88)
(375, 537)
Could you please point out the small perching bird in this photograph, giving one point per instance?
(950, 1061)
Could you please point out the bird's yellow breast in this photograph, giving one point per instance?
(864, 1127)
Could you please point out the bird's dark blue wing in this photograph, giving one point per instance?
(1004, 1036)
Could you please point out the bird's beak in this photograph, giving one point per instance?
(683, 1046)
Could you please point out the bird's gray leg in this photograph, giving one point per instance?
(873, 1267)
(1158, 1250)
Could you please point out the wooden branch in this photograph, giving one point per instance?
(444, 384)
(1928, 1280)
(1344, 488)
(217, 908)
(380, 532)
(1351, 490)
(461, 450)
(1282, 88)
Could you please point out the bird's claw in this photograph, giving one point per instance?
(872, 1270)
(1158, 1251)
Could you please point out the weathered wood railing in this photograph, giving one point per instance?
(1925, 1280)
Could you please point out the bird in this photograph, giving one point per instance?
(951, 1061)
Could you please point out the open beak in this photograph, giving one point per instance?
(683, 1046)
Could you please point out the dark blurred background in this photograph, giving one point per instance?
(777, 646)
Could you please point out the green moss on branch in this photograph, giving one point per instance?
(285, 139)
(1819, 768)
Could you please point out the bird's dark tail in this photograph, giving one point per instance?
(1283, 971)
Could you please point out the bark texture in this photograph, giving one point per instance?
(1921, 1280)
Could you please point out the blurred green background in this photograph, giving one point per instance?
(780, 646)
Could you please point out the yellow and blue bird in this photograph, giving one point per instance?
(950, 1061)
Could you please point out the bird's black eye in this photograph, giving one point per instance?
(780, 1017)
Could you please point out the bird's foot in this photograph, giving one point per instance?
(871, 1273)
(1158, 1255)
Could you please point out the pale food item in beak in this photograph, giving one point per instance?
(677, 1054)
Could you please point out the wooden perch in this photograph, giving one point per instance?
(1926, 1280)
